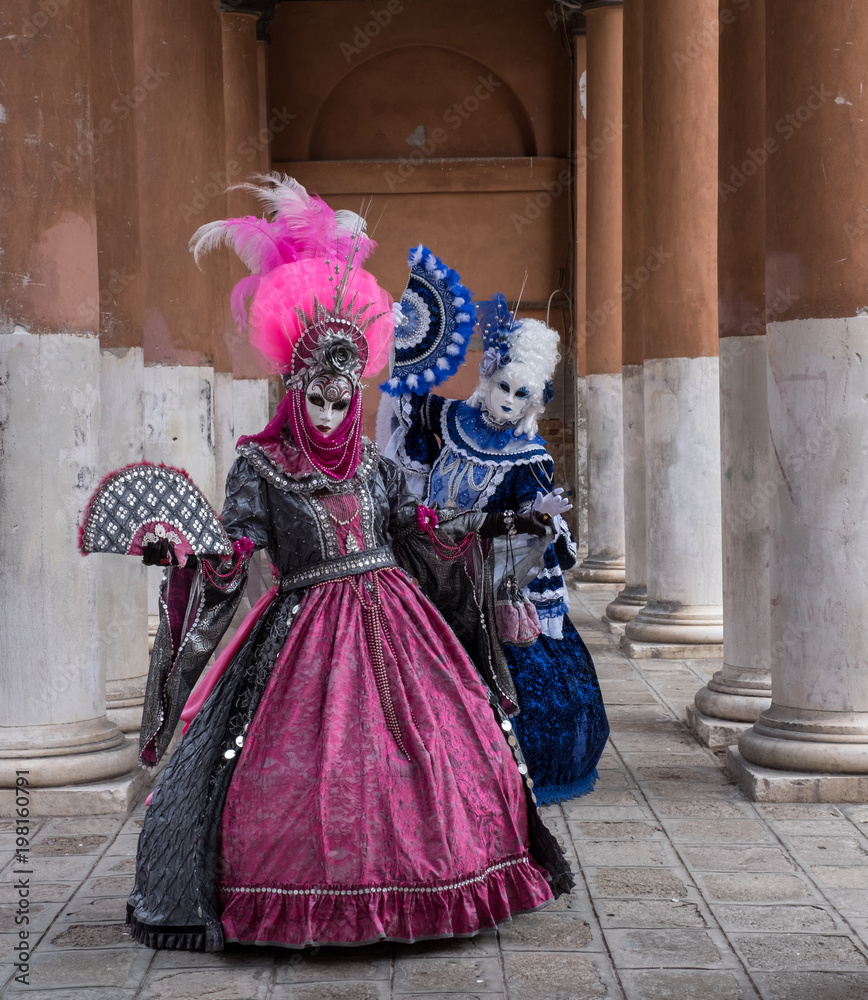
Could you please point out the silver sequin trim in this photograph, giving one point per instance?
(311, 484)
(349, 565)
(374, 889)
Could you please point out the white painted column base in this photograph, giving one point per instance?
(111, 797)
(179, 431)
(817, 387)
(605, 560)
(581, 484)
(625, 607)
(634, 595)
(683, 618)
(765, 784)
(669, 650)
(123, 597)
(53, 721)
(716, 734)
(741, 689)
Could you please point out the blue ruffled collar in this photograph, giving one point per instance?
(467, 431)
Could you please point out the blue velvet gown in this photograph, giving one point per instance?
(562, 724)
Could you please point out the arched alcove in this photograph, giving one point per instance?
(421, 96)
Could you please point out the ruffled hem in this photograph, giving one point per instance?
(558, 793)
(186, 938)
(309, 916)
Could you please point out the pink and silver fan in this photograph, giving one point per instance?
(145, 503)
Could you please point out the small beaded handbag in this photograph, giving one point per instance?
(514, 614)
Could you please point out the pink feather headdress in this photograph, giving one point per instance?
(313, 305)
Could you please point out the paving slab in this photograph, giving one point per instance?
(639, 913)
(678, 947)
(811, 952)
(690, 984)
(816, 985)
(555, 976)
(424, 975)
(734, 917)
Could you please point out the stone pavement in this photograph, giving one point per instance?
(686, 891)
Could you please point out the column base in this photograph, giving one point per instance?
(613, 628)
(765, 784)
(128, 718)
(124, 702)
(679, 624)
(625, 607)
(115, 797)
(822, 742)
(669, 650)
(70, 768)
(724, 698)
(716, 734)
(600, 571)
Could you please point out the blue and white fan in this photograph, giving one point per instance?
(433, 327)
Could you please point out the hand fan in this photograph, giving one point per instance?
(433, 326)
(143, 503)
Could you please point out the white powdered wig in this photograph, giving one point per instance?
(533, 354)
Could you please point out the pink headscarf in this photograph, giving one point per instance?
(336, 455)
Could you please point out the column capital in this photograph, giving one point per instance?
(262, 10)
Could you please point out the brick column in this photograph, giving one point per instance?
(812, 743)
(122, 583)
(604, 562)
(742, 688)
(241, 392)
(53, 723)
(683, 616)
(632, 597)
(580, 300)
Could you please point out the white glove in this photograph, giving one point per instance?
(552, 503)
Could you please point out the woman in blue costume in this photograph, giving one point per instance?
(485, 453)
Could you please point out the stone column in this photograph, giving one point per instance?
(604, 562)
(683, 616)
(580, 199)
(122, 582)
(180, 45)
(53, 723)
(741, 689)
(632, 597)
(812, 743)
(241, 113)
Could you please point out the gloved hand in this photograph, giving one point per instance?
(159, 553)
(552, 503)
(523, 524)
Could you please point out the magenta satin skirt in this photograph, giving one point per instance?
(375, 796)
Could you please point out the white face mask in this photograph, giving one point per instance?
(326, 401)
(506, 397)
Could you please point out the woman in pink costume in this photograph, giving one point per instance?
(350, 777)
